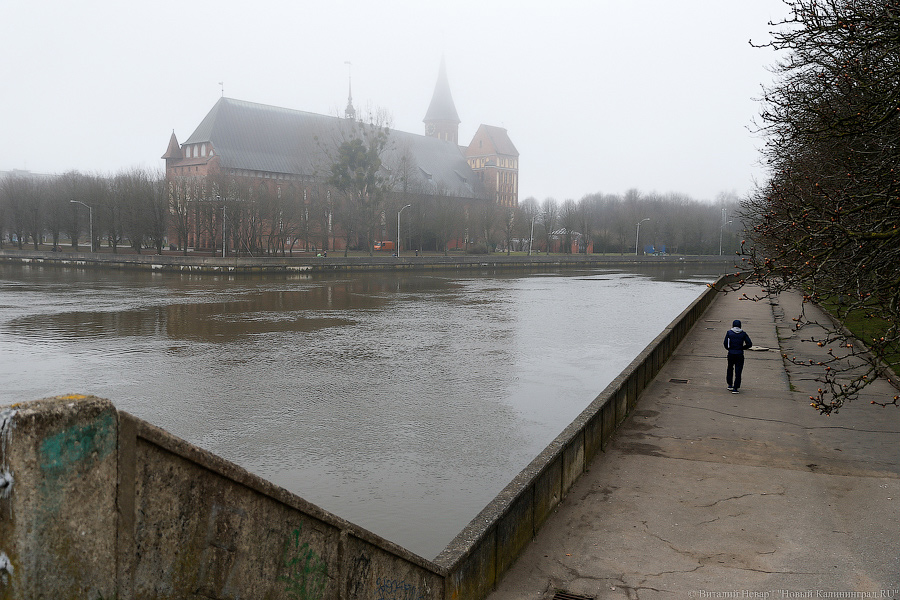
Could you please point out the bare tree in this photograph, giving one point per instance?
(3, 213)
(34, 207)
(586, 218)
(528, 212)
(549, 217)
(157, 211)
(55, 209)
(290, 223)
(184, 195)
(144, 208)
(445, 219)
(407, 182)
(485, 215)
(509, 215)
(568, 219)
(15, 191)
(827, 221)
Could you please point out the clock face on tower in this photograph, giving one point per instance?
(429, 129)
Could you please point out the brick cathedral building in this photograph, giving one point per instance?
(282, 149)
(491, 154)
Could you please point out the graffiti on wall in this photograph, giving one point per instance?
(78, 447)
(395, 589)
(74, 451)
(306, 573)
(359, 576)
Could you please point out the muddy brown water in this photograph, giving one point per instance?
(402, 402)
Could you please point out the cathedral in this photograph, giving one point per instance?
(281, 146)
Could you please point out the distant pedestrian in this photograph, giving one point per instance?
(736, 341)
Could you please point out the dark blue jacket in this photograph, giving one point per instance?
(737, 341)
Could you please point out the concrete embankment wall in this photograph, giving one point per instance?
(95, 503)
(99, 504)
(477, 558)
(308, 264)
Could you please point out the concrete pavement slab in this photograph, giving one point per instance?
(707, 494)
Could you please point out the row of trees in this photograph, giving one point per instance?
(827, 222)
(602, 223)
(131, 206)
(141, 210)
(608, 223)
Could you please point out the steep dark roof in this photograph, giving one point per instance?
(258, 137)
(174, 150)
(498, 140)
(442, 107)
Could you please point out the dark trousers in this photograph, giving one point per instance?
(735, 368)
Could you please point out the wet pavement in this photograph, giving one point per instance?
(707, 494)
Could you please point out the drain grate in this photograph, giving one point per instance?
(568, 596)
(679, 380)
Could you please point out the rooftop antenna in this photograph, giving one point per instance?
(222, 85)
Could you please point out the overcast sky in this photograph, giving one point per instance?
(597, 95)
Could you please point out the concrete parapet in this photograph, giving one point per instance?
(58, 505)
(99, 504)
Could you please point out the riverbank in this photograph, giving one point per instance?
(703, 492)
(318, 264)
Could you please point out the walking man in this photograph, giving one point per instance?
(736, 341)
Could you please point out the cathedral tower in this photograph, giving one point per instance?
(441, 120)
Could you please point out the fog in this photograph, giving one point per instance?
(598, 96)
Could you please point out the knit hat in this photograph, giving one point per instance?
(736, 323)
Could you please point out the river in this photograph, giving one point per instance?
(401, 402)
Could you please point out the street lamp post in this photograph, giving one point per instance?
(398, 228)
(637, 237)
(720, 236)
(223, 223)
(531, 239)
(223, 231)
(91, 217)
(721, 230)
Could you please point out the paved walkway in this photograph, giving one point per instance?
(706, 494)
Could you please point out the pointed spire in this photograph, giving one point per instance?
(349, 112)
(174, 149)
(442, 109)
